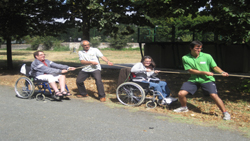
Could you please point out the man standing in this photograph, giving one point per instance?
(199, 65)
(90, 56)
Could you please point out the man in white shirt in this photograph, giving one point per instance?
(90, 56)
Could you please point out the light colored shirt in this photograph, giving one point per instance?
(93, 54)
(140, 68)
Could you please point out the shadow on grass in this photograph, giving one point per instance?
(16, 53)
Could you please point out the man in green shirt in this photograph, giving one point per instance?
(199, 65)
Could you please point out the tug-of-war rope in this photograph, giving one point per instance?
(176, 72)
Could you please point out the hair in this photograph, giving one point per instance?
(193, 43)
(84, 41)
(153, 65)
(36, 53)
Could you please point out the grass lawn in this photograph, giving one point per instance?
(202, 110)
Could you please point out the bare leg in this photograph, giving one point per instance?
(182, 97)
(54, 86)
(218, 102)
(62, 82)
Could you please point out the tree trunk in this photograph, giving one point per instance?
(9, 54)
(85, 28)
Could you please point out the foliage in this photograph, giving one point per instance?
(119, 39)
(35, 43)
(48, 43)
(181, 26)
(95, 41)
(244, 86)
(104, 15)
(61, 48)
(30, 17)
(230, 19)
(33, 17)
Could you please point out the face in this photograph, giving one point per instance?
(85, 45)
(196, 50)
(41, 56)
(147, 62)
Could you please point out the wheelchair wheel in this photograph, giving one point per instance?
(130, 94)
(24, 87)
(150, 104)
(40, 97)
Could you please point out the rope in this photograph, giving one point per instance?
(234, 75)
(175, 72)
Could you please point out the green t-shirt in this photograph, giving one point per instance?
(202, 63)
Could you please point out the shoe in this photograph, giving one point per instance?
(58, 93)
(66, 93)
(168, 100)
(173, 99)
(226, 116)
(103, 99)
(181, 109)
(81, 96)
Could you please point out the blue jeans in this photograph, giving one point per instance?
(161, 87)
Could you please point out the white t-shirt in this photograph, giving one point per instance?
(93, 54)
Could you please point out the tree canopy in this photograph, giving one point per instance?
(19, 18)
(231, 18)
(104, 14)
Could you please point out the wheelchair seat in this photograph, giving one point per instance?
(25, 86)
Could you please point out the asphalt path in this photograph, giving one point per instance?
(78, 120)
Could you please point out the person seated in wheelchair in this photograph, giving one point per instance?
(144, 72)
(44, 69)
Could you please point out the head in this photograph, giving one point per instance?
(85, 45)
(39, 55)
(148, 61)
(195, 47)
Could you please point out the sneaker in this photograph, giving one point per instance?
(226, 116)
(181, 109)
(168, 100)
(173, 99)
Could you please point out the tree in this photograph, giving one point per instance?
(231, 18)
(104, 14)
(19, 18)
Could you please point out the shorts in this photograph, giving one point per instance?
(207, 88)
(48, 77)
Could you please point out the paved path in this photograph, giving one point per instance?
(77, 120)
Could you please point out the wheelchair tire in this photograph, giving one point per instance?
(150, 104)
(40, 97)
(130, 94)
(24, 87)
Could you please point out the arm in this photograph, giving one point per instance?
(40, 67)
(139, 68)
(193, 71)
(107, 61)
(84, 62)
(219, 70)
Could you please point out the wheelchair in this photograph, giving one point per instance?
(25, 86)
(132, 93)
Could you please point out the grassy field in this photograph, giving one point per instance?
(203, 110)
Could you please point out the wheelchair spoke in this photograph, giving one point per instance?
(24, 87)
(130, 94)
